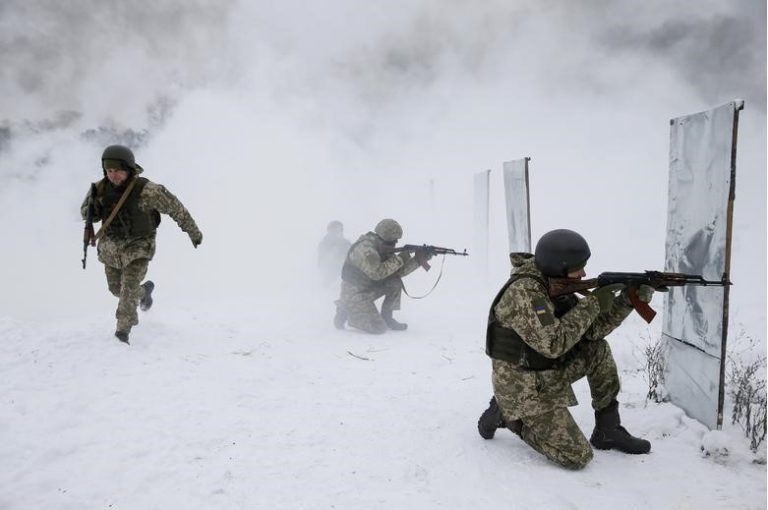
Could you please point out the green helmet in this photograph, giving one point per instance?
(389, 230)
(120, 153)
(560, 252)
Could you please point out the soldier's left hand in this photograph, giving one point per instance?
(423, 256)
(645, 293)
(196, 238)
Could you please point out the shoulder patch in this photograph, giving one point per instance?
(542, 312)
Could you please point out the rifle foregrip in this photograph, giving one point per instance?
(642, 308)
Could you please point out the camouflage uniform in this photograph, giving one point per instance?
(126, 256)
(369, 274)
(567, 337)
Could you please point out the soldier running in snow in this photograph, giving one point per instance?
(540, 346)
(129, 224)
(372, 270)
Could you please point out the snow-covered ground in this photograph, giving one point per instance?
(236, 405)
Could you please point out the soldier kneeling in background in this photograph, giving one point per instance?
(372, 269)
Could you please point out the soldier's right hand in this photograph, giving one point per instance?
(606, 295)
(196, 238)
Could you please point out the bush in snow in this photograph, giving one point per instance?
(747, 389)
(655, 362)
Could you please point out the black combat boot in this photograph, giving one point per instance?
(491, 419)
(392, 323)
(146, 300)
(609, 434)
(122, 336)
(340, 318)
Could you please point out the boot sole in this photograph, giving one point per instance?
(603, 446)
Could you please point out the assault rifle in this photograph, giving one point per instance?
(656, 279)
(89, 236)
(429, 250)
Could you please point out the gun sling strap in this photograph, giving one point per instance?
(117, 208)
(440, 275)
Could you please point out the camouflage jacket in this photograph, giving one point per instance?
(119, 252)
(365, 263)
(526, 308)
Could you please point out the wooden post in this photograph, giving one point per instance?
(726, 274)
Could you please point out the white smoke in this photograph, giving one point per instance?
(268, 119)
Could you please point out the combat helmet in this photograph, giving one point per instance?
(120, 153)
(560, 252)
(389, 230)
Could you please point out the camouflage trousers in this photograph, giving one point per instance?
(125, 284)
(361, 306)
(125, 263)
(554, 433)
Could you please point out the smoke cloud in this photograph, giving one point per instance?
(269, 119)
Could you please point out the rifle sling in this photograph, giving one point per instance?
(117, 208)
(440, 275)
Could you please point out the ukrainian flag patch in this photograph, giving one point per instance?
(542, 312)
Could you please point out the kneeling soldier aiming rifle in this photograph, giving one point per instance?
(375, 268)
(542, 338)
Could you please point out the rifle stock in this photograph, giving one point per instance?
(562, 286)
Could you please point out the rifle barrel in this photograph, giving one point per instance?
(435, 250)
